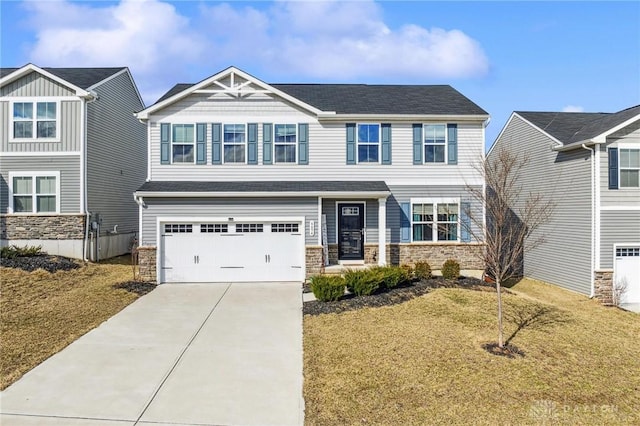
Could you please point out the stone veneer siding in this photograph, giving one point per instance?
(604, 286)
(41, 227)
(147, 263)
(314, 262)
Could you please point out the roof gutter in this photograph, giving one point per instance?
(579, 144)
(403, 117)
(211, 194)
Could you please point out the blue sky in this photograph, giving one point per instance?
(505, 56)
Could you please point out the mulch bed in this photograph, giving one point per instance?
(391, 297)
(44, 261)
(138, 287)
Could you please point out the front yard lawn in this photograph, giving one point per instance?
(422, 361)
(41, 313)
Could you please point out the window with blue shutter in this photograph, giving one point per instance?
(417, 144)
(405, 223)
(452, 142)
(165, 144)
(201, 143)
(303, 143)
(252, 143)
(216, 143)
(465, 222)
(613, 168)
(386, 144)
(351, 143)
(267, 150)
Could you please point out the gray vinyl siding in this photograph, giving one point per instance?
(565, 178)
(69, 129)
(68, 166)
(35, 84)
(617, 227)
(622, 196)
(116, 154)
(225, 208)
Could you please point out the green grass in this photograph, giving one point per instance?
(422, 362)
(41, 313)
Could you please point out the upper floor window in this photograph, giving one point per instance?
(434, 221)
(435, 143)
(285, 142)
(629, 168)
(35, 120)
(234, 139)
(182, 143)
(368, 143)
(34, 192)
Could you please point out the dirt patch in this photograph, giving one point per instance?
(138, 287)
(508, 351)
(44, 261)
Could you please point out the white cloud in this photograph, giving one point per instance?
(573, 108)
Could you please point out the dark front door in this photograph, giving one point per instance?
(350, 231)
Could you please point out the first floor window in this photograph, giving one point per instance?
(285, 142)
(35, 194)
(234, 143)
(434, 221)
(368, 143)
(182, 143)
(435, 143)
(629, 168)
(35, 120)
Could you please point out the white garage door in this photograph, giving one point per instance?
(232, 252)
(627, 273)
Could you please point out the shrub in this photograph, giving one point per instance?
(327, 288)
(408, 269)
(450, 269)
(363, 282)
(422, 270)
(392, 276)
(11, 252)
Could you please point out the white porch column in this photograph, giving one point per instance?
(382, 231)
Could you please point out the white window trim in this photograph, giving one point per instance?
(446, 143)
(246, 143)
(34, 175)
(435, 202)
(34, 120)
(295, 144)
(379, 144)
(625, 146)
(195, 138)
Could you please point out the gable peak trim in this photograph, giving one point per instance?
(21, 72)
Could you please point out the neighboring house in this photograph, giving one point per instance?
(588, 164)
(71, 154)
(255, 181)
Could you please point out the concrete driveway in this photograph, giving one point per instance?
(188, 354)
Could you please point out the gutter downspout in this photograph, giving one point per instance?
(593, 217)
(83, 175)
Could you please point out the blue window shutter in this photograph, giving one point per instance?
(216, 143)
(252, 143)
(452, 142)
(386, 144)
(405, 223)
(201, 143)
(303, 143)
(351, 143)
(465, 222)
(613, 168)
(417, 144)
(267, 150)
(165, 144)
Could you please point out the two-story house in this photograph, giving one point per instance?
(588, 164)
(254, 181)
(71, 155)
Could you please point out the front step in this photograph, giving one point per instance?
(341, 269)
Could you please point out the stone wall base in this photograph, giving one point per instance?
(604, 287)
(147, 263)
(42, 227)
(314, 262)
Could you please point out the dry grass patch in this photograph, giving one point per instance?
(41, 313)
(421, 362)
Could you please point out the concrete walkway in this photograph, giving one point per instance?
(188, 354)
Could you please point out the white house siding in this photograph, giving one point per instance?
(116, 154)
(69, 127)
(624, 196)
(565, 178)
(617, 227)
(227, 207)
(68, 166)
(35, 84)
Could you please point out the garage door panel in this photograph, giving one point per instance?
(627, 273)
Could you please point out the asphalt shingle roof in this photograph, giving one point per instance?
(81, 77)
(265, 186)
(374, 99)
(570, 127)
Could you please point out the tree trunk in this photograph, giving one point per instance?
(500, 336)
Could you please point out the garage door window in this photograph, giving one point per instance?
(249, 227)
(178, 228)
(214, 228)
(284, 227)
(628, 252)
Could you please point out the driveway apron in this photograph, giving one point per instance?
(205, 354)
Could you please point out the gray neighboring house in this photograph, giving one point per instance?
(254, 181)
(71, 155)
(589, 165)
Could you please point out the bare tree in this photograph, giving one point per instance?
(513, 219)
